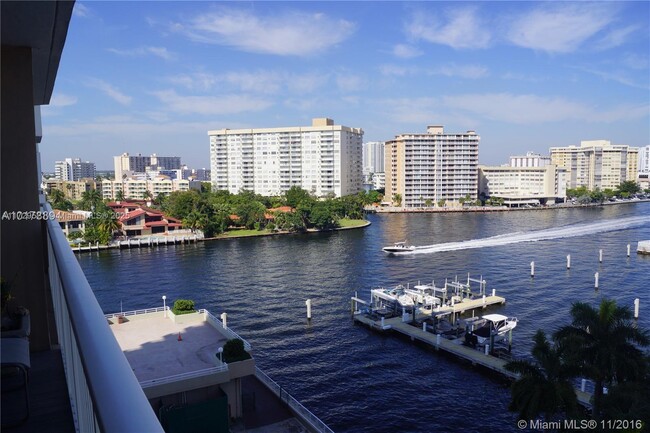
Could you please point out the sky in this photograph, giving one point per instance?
(154, 77)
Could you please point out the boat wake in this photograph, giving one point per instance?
(537, 235)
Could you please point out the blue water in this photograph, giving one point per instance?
(355, 379)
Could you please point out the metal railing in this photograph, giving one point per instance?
(301, 411)
(105, 395)
(229, 332)
(136, 312)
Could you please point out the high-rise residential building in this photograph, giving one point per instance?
(373, 157)
(73, 169)
(323, 159)
(531, 159)
(126, 165)
(431, 167)
(523, 185)
(644, 159)
(597, 164)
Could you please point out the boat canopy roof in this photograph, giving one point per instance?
(495, 317)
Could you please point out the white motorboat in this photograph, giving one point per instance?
(496, 325)
(399, 247)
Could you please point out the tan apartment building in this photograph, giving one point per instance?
(523, 185)
(431, 167)
(597, 164)
(324, 159)
(72, 190)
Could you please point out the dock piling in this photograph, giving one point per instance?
(424, 326)
(568, 261)
(308, 303)
(532, 269)
(583, 385)
(600, 256)
(596, 280)
(628, 250)
(636, 308)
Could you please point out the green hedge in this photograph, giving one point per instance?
(183, 306)
(234, 351)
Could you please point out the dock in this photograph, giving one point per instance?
(454, 347)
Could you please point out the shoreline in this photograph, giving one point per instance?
(488, 209)
(366, 223)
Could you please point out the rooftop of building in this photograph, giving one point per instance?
(318, 124)
(154, 350)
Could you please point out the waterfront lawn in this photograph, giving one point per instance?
(346, 222)
(244, 232)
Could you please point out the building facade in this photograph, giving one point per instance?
(73, 169)
(373, 157)
(324, 159)
(427, 168)
(531, 159)
(143, 188)
(644, 159)
(127, 165)
(597, 164)
(73, 190)
(523, 185)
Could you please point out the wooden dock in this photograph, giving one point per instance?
(454, 347)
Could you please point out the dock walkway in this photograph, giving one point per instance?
(454, 347)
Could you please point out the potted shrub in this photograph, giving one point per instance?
(183, 306)
(234, 351)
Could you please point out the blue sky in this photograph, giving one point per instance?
(145, 77)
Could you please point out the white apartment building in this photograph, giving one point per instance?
(432, 166)
(523, 185)
(373, 157)
(73, 169)
(531, 159)
(126, 165)
(644, 159)
(323, 159)
(141, 188)
(597, 164)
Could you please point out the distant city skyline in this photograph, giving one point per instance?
(145, 77)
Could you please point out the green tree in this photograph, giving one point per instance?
(119, 196)
(250, 213)
(609, 193)
(295, 195)
(322, 216)
(428, 202)
(195, 220)
(397, 199)
(180, 203)
(90, 200)
(629, 186)
(441, 202)
(57, 198)
(597, 195)
(607, 343)
(544, 386)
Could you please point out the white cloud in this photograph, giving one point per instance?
(463, 71)
(288, 34)
(397, 71)
(462, 28)
(616, 37)
(161, 52)
(266, 82)
(62, 100)
(350, 82)
(210, 105)
(530, 109)
(109, 90)
(80, 10)
(406, 51)
(635, 61)
(559, 28)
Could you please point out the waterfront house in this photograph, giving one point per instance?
(145, 221)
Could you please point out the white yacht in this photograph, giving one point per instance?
(399, 247)
(492, 324)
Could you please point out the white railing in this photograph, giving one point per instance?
(301, 411)
(136, 312)
(105, 395)
(229, 333)
(191, 375)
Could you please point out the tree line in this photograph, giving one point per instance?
(583, 195)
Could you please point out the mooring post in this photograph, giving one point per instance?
(438, 340)
(224, 319)
(596, 280)
(636, 308)
(308, 303)
(600, 256)
(510, 341)
(628, 250)
(568, 261)
(532, 269)
(494, 292)
(382, 322)
(487, 349)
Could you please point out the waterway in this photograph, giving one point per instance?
(357, 380)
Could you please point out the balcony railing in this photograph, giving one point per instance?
(105, 395)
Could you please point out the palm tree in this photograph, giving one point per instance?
(90, 199)
(58, 200)
(606, 341)
(545, 385)
(194, 220)
(119, 196)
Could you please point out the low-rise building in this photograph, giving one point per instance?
(70, 222)
(523, 185)
(141, 187)
(145, 221)
(73, 190)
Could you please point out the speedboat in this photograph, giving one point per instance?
(399, 247)
(496, 325)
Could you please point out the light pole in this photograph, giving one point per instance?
(220, 351)
(164, 306)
